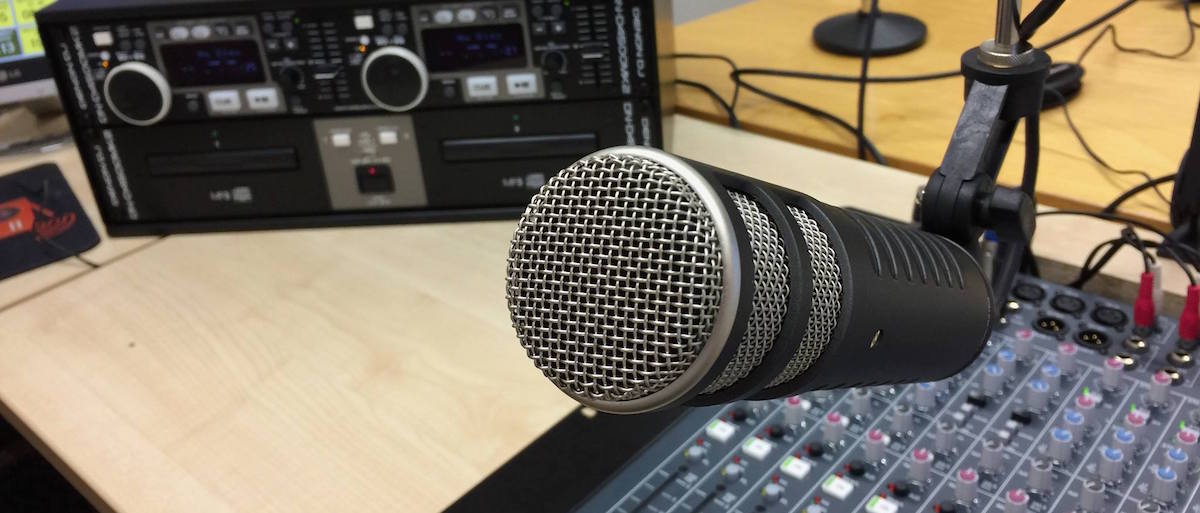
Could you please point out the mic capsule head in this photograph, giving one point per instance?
(624, 280)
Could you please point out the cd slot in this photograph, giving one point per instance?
(224, 162)
(535, 146)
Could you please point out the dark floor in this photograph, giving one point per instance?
(28, 483)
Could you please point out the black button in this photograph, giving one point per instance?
(1110, 317)
(901, 490)
(1023, 416)
(488, 13)
(775, 431)
(857, 468)
(948, 507)
(1068, 304)
(977, 400)
(273, 45)
(558, 27)
(738, 414)
(815, 450)
(291, 44)
(1029, 292)
(374, 179)
(539, 29)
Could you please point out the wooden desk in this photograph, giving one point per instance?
(363, 369)
(22, 286)
(1137, 111)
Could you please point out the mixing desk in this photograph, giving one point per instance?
(1069, 409)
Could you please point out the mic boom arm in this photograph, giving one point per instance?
(1005, 81)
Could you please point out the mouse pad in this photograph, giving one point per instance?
(41, 220)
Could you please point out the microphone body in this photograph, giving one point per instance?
(639, 281)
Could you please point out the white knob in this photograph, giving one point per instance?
(1112, 465)
(1066, 357)
(794, 410)
(1186, 440)
(1052, 375)
(993, 380)
(1041, 475)
(1160, 388)
(1166, 485)
(902, 419)
(920, 463)
(1062, 445)
(992, 460)
(1178, 460)
(1075, 423)
(877, 443)
(137, 93)
(1113, 369)
(834, 427)
(1016, 501)
(1023, 345)
(966, 485)
(1037, 395)
(860, 402)
(943, 441)
(926, 396)
(1093, 498)
(1136, 422)
(1007, 360)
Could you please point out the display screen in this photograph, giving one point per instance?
(475, 48)
(18, 31)
(210, 64)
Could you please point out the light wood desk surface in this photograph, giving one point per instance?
(22, 286)
(1136, 111)
(358, 369)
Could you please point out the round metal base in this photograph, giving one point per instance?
(846, 34)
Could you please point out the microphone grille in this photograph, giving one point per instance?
(615, 278)
(770, 301)
(826, 303)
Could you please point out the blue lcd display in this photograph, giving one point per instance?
(475, 48)
(212, 64)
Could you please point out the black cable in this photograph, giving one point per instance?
(1131, 193)
(1092, 270)
(1082, 278)
(1170, 249)
(814, 111)
(1112, 29)
(1033, 149)
(733, 119)
(1087, 148)
(1089, 25)
(872, 17)
(1037, 17)
(1129, 234)
(1192, 252)
(737, 88)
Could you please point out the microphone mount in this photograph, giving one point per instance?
(1005, 82)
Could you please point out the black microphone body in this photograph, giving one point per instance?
(638, 281)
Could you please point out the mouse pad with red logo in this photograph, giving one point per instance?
(41, 220)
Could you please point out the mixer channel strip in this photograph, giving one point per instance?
(1048, 419)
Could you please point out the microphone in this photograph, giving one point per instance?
(639, 281)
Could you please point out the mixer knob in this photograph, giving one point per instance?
(771, 492)
(1160, 388)
(1023, 345)
(992, 460)
(1041, 475)
(1037, 395)
(1075, 423)
(860, 402)
(395, 78)
(1178, 460)
(1125, 440)
(944, 438)
(1186, 440)
(291, 78)
(1086, 405)
(554, 62)
(877, 443)
(993, 380)
(1166, 485)
(1136, 422)
(902, 419)
(1062, 445)
(1052, 375)
(137, 93)
(1112, 465)
(1066, 357)
(926, 396)
(920, 463)
(794, 410)
(1007, 360)
(695, 453)
(966, 485)
(820, 396)
(1093, 498)
(834, 427)
(1113, 368)
(1016, 501)
(732, 472)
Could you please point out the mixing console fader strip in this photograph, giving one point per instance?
(1067, 410)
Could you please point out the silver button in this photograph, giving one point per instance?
(201, 31)
(224, 101)
(521, 84)
(466, 15)
(178, 33)
(483, 87)
(443, 17)
(262, 99)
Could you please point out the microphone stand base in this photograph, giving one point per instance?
(894, 34)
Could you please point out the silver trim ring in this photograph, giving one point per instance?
(731, 287)
(403, 53)
(154, 75)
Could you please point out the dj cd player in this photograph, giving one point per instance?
(199, 115)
